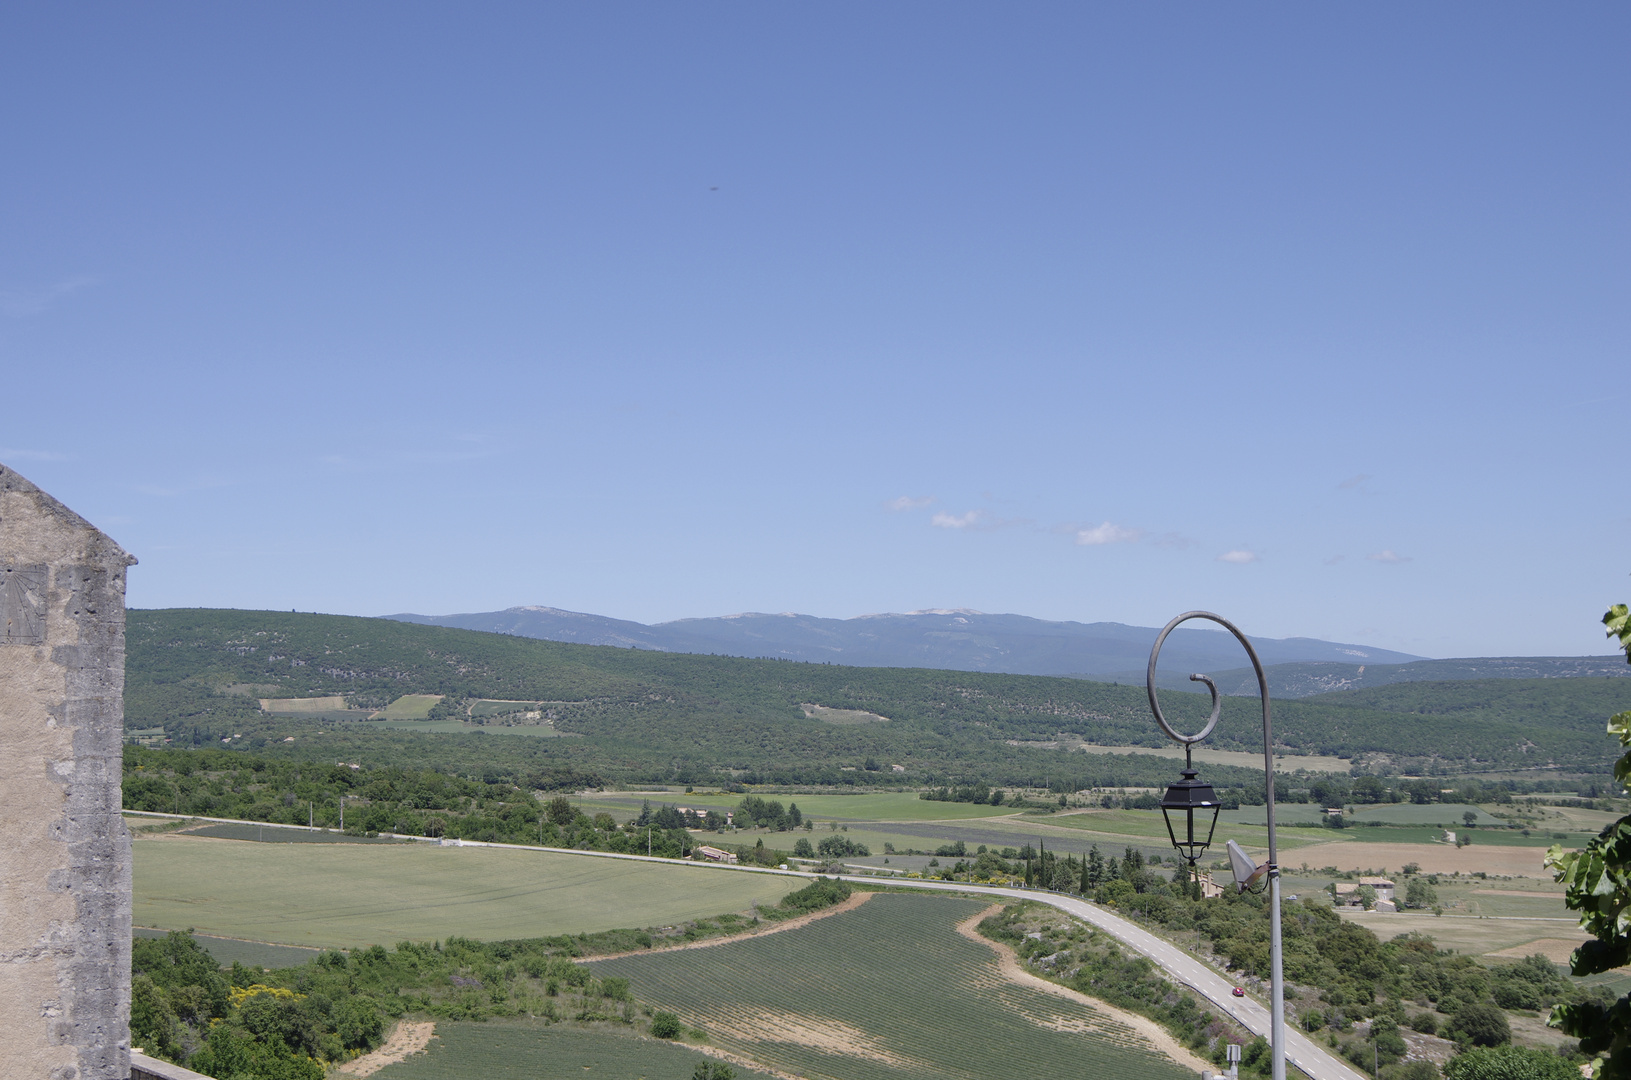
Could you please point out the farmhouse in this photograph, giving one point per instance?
(713, 854)
(1346, 893)
(1383, 887)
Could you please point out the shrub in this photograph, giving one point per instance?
(823, 892)
(842, 847)
(1425, 1022)
(665, 1025)
(1509, 1063)
(1480, 1025)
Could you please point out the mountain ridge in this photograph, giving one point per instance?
(959, 639)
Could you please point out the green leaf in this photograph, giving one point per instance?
(1618, 621)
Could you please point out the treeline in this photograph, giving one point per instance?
(493, 809)
(979, 795)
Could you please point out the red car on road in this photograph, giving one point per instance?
(1238, 992)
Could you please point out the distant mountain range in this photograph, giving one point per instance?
(964, 640)
(958, 640)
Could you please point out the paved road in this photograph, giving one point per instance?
(1179, 965)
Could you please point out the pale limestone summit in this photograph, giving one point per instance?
(64, 850)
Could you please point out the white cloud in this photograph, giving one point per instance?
(1389, 556)
(909, 502)
(12, 453)
(1107, 533)
(1353, 481)
(1238, 555)
(32, 302)
(969, 520)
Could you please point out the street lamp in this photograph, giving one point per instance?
(1190, 795)
(1179, 805)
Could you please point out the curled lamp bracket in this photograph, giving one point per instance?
(1217, 707)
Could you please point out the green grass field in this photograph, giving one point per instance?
(507, 1051)
(409, 707)
(1448, 815)
(887, 991)
(249, 953)
(349, 895)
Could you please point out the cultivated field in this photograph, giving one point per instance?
(887, 991)
(250, 953)
(1473, 935)
(1434, 858)
(352, 895)
(509, 1051)
(409, 707)
(879, 806)
(303, 705)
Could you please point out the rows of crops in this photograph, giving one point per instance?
(517, 1052)
(887, 991)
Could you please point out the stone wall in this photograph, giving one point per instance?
(64, 850)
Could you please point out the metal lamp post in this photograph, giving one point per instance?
(1189, 795)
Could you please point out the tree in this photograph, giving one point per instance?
(802, 849)
(665, 1025)
(795, 815)
(561, 811)
(1480, 1025)
(1470, 817)
(1597, 883)
(1367, 896)
(713, 1070)
(1095, 868)
(1509, 1063)
(1419, 894)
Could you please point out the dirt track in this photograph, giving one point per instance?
(855, 900)
(406, 1039)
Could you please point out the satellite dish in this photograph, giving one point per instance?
(1247, 873)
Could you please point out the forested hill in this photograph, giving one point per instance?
(641, 715)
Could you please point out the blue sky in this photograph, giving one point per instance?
(1314, 315)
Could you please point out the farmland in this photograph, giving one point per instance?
(510, 1051)
(349, 895)
(886, 991)
(871, 806)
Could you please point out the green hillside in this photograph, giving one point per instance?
(635, 715)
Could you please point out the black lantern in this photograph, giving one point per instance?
(1184, 800)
